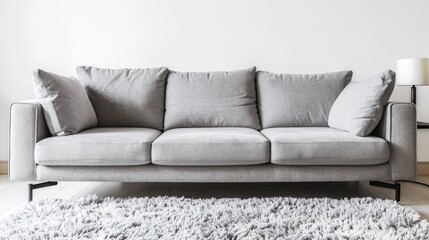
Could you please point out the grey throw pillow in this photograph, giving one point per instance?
(211, 99)
(65, 103)
(126, 97)
(360, 105)
(298, 100)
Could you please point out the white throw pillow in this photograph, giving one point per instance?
(66, 105)
(360, 106)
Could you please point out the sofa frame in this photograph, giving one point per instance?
(397, 127)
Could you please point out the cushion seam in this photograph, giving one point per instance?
(89, 143)
(331, 143)
(210, 143)
(318, 158)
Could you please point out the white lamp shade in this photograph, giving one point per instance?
(412, 71)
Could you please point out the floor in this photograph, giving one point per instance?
(13, 195)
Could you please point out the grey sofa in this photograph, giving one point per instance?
(216, 132)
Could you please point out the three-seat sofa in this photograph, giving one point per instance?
(157, 125)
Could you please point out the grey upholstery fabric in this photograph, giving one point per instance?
(398, 127)
(254, 173)
(360, 105)
(210, 146)
(298, 100)
(98, 147)
(27, 127)
(126, 97)
(65, 103)
(211, 99)
(324, 146)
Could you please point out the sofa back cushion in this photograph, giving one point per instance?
(126, 97)
(298, 100)
(211, 99)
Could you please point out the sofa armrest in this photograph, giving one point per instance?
(27, 127)
(398, 126)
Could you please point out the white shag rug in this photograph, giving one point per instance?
(226, 218)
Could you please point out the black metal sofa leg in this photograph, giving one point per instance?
(396, 186)
(31, 187)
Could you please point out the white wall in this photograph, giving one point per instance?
(295, 36)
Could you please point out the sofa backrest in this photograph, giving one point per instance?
(298, 100)
(126, 97)
(162, 99)
(211, 99)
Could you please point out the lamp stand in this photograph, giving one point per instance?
(413, 94)
(420, 125)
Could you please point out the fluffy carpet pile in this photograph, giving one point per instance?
(227, 218)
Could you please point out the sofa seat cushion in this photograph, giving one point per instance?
(324, 146)
(98, 147)
(210, 147)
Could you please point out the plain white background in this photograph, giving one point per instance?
(284, 36)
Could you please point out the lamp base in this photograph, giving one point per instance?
(413, 94)
(422, 125)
